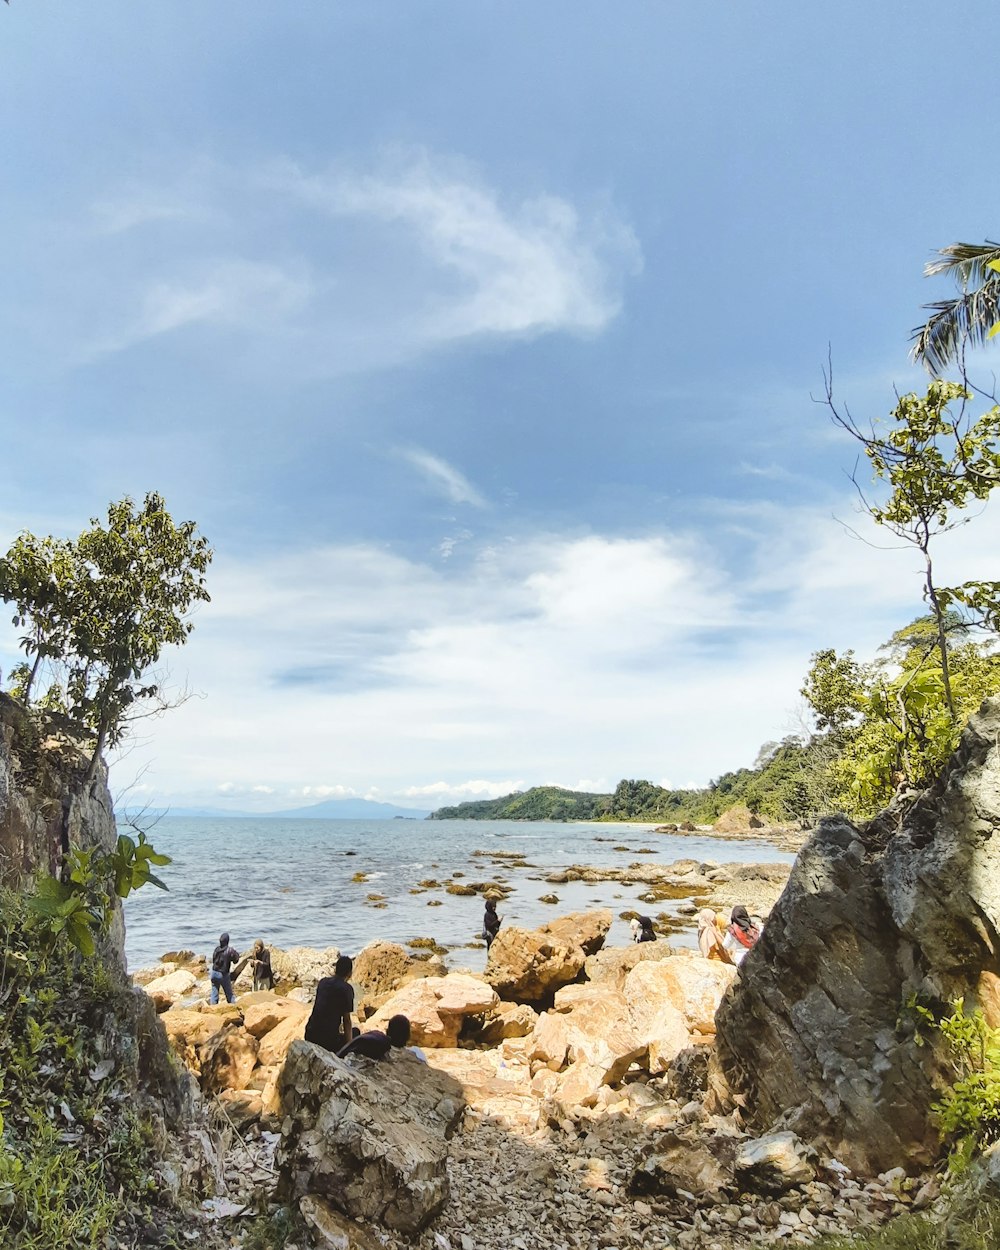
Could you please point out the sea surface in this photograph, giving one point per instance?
(290, 881)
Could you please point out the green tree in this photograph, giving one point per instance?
(124, 591)
(888, 723)
(36, 576)
(936, 461)
(972, 316)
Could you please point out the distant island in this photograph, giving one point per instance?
(631, 800)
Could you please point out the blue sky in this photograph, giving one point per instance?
(480, 340)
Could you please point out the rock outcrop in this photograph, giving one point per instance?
(436, 1007)
(529, 965)
(369, 1138)
(816, 1035)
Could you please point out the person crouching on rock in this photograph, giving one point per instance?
(710, 941)
(375, 1044)
(330, 1023)
(646, 933)
(491, 922)
(223, 958)
(741, 934)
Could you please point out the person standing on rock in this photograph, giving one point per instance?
(260, 959)
(223, 958)
(330, 1023)
(491, 922)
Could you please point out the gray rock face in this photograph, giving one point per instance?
(44, 803)
(815, 1035)
(369, 1138)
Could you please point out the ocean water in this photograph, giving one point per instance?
(290, 881)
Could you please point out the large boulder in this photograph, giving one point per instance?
(369, 1138)
(303, 965)
(613, 964)
(380, 969)
(815, 1036)
(227, 1059)
(693, 985)
(436, 1007)
(529, 965)
(167, 989)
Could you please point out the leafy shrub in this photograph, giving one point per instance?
(75, 1156)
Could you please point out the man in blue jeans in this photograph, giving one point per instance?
(223, 958)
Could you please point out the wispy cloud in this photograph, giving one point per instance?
(573, 656)
(524, 267)
(443, 477)
(325, 272)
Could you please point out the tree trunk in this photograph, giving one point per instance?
(942, 639)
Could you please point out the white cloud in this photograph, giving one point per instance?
(317, 274)
(462, 790)
(325, 792)
(444, 477)
(524, 268)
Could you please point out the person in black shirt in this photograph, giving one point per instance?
(223, 958)
(375, 1044)
(330, 1023)
(491, 922)
(646, 933)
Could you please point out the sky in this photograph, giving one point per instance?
(482, 341)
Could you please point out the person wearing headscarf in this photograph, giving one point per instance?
(741, 933)
(710, 940)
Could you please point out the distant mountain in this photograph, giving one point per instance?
(329, 809)
(349, 809)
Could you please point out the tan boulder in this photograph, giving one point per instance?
(694, 986)
(738, 819)
(436, 1007)
(379, 970)
(303, 965)
(166, 990)
(275, 1043)
(501, 1093)
(242, 1106)
(586, 929)
(612, 964)
(507, 1020)
(601, 1032)
(187, 1030)
(528, 965)
(227, 1059)
(333, 1231)
(988, 997)
(262, 1017)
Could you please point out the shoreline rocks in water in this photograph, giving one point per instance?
(583, 1123)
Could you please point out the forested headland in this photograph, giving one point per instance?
(876, 728)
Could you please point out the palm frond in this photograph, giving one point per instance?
(954, 322)
(965, 261)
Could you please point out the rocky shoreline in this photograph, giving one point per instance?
(569, 1105)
